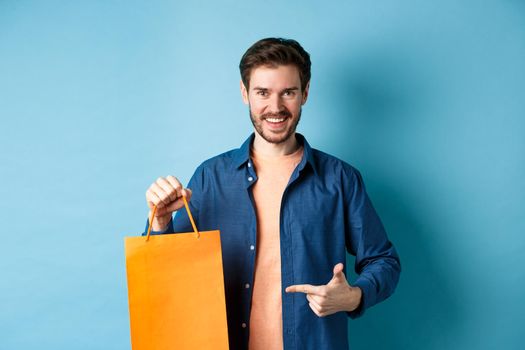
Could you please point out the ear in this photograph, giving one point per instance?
(244, 93)
(305, 93)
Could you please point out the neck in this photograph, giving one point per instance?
(266, 148)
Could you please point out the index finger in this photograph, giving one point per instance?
(303, 288)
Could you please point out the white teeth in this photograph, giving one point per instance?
(275, 120)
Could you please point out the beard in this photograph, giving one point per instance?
(270, 137)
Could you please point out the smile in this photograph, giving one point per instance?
(275, 120)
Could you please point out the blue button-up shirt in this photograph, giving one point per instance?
(325, 212)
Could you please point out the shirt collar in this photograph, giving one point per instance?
(242, 155)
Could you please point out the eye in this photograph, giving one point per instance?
(289, 93)
(262, 92)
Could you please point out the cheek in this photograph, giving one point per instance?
(257, 107)
(294, 106)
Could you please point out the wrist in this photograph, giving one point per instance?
(159, 223)
(356, 295)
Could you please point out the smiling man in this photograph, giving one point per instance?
(275, 102)
(288, 214)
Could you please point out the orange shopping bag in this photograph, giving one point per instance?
(176, 290)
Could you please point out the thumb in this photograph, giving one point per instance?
(179, 202)
(339, 276)
(186, 192)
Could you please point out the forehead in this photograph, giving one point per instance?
(275, 77)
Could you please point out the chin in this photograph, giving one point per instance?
(277, 138)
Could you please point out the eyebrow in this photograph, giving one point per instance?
(266, 89)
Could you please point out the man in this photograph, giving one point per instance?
(287, 214)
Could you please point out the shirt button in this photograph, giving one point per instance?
(247, 285)
(243, 325)
(249, 165)
(250, 178)
(252, 247)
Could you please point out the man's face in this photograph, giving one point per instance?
(275, 99)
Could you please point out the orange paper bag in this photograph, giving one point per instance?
(176, 291)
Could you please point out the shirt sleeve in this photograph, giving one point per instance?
(377, 262)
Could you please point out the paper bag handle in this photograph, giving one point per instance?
(189, 215)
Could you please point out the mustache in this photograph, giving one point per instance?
(282, 114)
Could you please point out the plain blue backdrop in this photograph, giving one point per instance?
(426, 98)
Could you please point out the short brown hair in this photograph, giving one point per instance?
(273, 52)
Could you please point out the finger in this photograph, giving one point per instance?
(174, 206)
(338, 272)
(314, 310)
(338, 268)
(161, 194)
(186, 192)
(149, 201)
(153, 198)
(314, 302)
(168, 188)
(303, 288)
(175, 183)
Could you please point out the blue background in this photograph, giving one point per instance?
(99, 98)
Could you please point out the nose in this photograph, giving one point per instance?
(275, 104)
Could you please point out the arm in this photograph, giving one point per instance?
(377, 262)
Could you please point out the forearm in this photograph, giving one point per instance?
(377, 280)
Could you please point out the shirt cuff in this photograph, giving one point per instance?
(168, 229)
(367, 297)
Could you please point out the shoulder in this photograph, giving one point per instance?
(219, 166)
(336, 172)
(330, 165)
(219, 161)
(225, 164)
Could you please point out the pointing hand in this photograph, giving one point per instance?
(333, 297)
